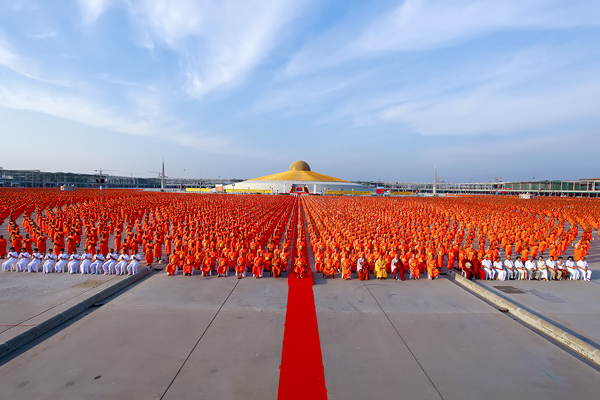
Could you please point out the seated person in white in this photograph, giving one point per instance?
(487, 267)
(49, 262)
(500, 271)
(36, 260)
(11, 263)
(572, 269)
(63, 259)
(584, 270)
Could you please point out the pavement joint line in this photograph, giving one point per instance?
(403, 341)
(577, 345)
(56, 305)
(55, 320)
(198, 342)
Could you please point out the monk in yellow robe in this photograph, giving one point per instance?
(380, 270)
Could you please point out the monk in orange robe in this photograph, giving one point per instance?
(257, 265)
(432, 269)
(207, 265)
(240, 268)
(300, 267)
(2, 247)
(222, 268)
(346, 268)
(276, 267)
(413, 264)
(172, 266)
(329, 267)
(188, 267)
(148, 253)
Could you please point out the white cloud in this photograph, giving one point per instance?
(8, 58)
(45, 35)
(486, 111)
(418, 25)
(91, 10)
(146, 118)
(218, 42)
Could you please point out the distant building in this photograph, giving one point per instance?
(298, 179)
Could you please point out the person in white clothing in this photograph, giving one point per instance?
(487, 267)
(96, 265)
(551, 268)
(111, 260)
(509, 267)
(359, 263)
(36, 260)
(132, 268)
(86, 260)
(24, 259)
(561, 269)
(13, 257)
(541, 267)
(74, 261)
(532, 269)
(122, 262)
(572, 269)
(49, 262)
(584, 270)
(394, 267)
(63, 259)
(500, 271)
(520, 267)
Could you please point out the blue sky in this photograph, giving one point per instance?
(359, 89)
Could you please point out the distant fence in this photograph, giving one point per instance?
(201, 190)
(251, 191)
(347, 192)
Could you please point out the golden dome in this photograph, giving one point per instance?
(299, 166)
(299, 171)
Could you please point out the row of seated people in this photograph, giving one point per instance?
(414, 267)
(531, 269)
(222, 266)
(74, 263)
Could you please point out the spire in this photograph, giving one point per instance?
(162, 176)
(435, 179)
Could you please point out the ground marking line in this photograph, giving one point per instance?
(198, 342)
(403, 341)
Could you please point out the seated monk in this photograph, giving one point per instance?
(207, 266)
(468, 270)
(329, 267)
(432, 269)
(222, 268)
(257, 267)
(361, 270)
(346, 268)
(380, 269)
(172, 266)
(319, 262)
(268, 259)
(188, 267)
(413, 264)
(276, 267)
(240, 268)
(300, 267)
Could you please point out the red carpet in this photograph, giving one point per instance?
(301, 375)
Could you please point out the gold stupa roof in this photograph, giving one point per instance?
(299, 171)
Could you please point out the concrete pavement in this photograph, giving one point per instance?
(193, 337)
(33, 304)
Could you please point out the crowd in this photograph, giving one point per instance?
(257, 235)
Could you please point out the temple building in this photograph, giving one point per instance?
(298, 179)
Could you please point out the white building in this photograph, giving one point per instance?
(299, 179)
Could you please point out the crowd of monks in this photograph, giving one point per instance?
(416, 237)
(112, 231)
